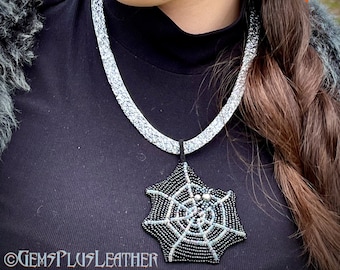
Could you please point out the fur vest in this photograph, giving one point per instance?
(19, 23)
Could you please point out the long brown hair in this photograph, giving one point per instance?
(285, 103)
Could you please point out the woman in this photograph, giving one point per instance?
(74, 175)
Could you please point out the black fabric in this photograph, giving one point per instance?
(74, 176)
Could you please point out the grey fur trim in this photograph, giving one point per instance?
(326, 41)
(18, 24)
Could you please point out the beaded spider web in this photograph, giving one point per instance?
(191, 221)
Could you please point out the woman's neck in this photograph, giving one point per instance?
(202, 16)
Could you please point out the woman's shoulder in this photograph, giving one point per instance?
(19, 22)
(325, 39)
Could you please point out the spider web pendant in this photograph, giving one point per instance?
(191, 221)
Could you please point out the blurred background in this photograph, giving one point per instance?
(334, 7)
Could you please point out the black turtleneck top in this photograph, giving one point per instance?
(74, 176)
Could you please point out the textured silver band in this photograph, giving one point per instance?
(136, 117)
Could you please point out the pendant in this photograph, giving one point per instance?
(192, 222)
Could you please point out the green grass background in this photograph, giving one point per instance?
(334, 7)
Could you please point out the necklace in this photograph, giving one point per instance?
(191, 221)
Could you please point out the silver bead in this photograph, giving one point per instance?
(206, 197)
(197, 197)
